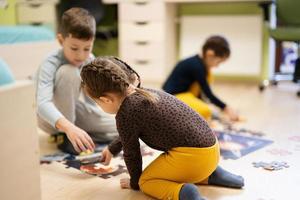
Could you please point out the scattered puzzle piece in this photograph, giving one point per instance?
(55, 157)
(295, 138)
(97, 169)
(279, 152)
(274, 165)
(121, 169)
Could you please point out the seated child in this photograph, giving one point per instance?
(61, 106)
(191, 78)
(191, 150)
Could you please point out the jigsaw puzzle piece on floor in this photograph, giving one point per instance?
(274, 165)
(279, 152)
(58, 157)
(98, 169)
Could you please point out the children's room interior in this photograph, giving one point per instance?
(149, 99)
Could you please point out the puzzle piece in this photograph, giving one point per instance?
(274, 165)
(121, 169)
(91, 160)
(97, 169)
(279, 152)
(58, 157)
(295, 138)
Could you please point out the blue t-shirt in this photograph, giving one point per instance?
(185, 73)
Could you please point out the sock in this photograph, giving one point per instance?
(224, 178)
(189, 192)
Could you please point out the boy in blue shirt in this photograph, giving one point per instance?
(191, 78)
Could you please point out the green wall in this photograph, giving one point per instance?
(8, 15)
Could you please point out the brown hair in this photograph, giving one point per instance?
(131, 73)
(79, 23)
(110, 74)
(218, 44)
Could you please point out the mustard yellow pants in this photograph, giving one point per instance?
(165, 176)
(196, 104)
(190, 98)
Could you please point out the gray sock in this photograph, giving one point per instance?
(189, 192)
(224, 178)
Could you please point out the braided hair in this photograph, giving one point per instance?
(133, 75)
(110, 74)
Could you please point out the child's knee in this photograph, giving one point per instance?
(67, 73)
(206, 112)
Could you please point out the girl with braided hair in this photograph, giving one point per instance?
(191, 150)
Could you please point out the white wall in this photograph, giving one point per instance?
(244, 33)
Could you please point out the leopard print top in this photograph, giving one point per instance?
(163, 125)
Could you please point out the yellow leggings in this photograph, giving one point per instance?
(196, 104)
(165, 176)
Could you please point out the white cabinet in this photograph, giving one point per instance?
(36, 12)
(144, 41)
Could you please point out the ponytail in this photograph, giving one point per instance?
(150, 96)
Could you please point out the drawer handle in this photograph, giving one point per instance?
(35, 5)
(142, 62)
(141, 42)
(36, 23)
(141, 23)
(140, 3)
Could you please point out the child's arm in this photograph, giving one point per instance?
(111, 150)
(233, 116)
(80, 140)
(45, 87)
(201, 78)
(129, 137)
(115, 147)
(48, 111)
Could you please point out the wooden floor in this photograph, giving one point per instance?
(275, 112)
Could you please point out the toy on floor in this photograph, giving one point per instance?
(279, 152)
(233, 146)
(295, 138)
(271, 166)
(58, 157)
(219, 124)
(87, 152)
(98, 169)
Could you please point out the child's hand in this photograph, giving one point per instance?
(80, 140)
(125, 183)
(106, 156)
(232, 115)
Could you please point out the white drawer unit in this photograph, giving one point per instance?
(35, 13)
(142, 49)
(144, 37)
(142, 11)
(149, 31)
(150, 70)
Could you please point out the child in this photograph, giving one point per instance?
(61, 106)
(192, 76)
(162, 122)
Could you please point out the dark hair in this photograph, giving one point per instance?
(79, 23)
(110, 74)
(218, 44)
(131, 73)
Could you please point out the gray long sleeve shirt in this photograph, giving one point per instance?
(45, 86)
